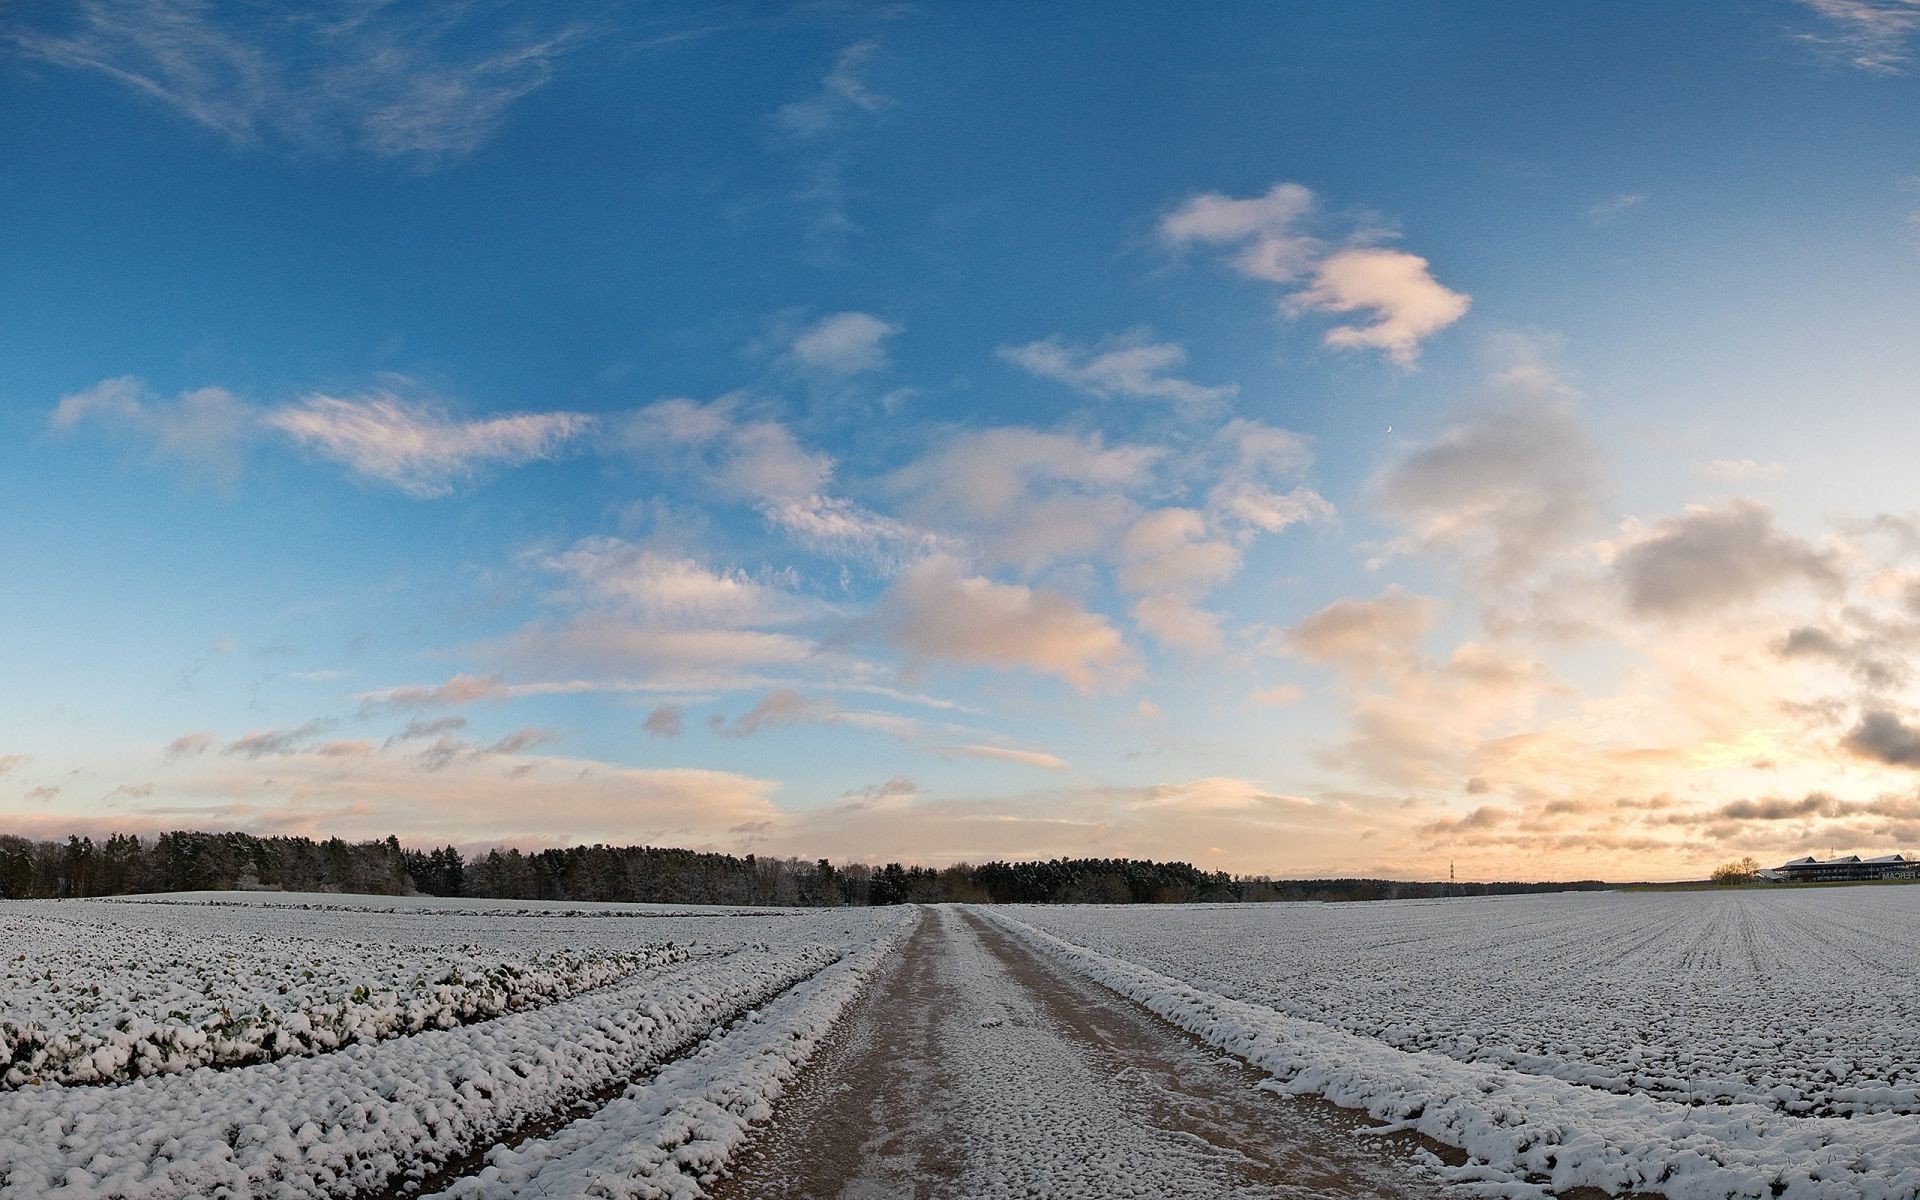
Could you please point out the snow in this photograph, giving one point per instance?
(1801, 1000)
(666, 1136)
(1529, 1006)
(371, 1113)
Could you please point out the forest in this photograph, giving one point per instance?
(182, 861)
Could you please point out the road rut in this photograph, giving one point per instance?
(977, 1068)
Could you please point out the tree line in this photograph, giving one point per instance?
(185, 861)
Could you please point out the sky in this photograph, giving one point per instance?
(1372, 439)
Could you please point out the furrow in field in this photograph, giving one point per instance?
(369, 1117)
(1529, 1129)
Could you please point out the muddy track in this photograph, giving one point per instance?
(975, 1067)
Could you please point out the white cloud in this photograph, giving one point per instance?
(206, 429)
(815, 129)
(760, 462)
(1264, 227)
(1280, 696)
(1397, 288)
(419, 447)
(1168, 550)
(1617, 205)
(937, 611)
(1131, 365)
(1026, 498)
(1738, 470)
(843, 91)
(1252, 463)
(842, 345)
(455, 692)
(1874, 35)
(391, 81)
(1025, 758)
(668, 589)
(1406, 303)
(1174, 620)
(1364, 638)
(1509, 486)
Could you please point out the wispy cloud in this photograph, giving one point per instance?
(421, 84)
(815, 128)
(418, 446)
(1617, 205)
(1873, 35)
(392, 434)
(1737, 470)
(1130, 365)
(1007, 754)
(207, 430)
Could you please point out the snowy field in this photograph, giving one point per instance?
(274, 1045)
(1696, 1044)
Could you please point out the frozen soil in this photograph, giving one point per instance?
(975, 1067)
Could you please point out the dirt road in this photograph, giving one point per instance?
(978, 1068)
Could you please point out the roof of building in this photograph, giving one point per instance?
(1843, 861)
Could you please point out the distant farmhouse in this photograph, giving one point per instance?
(1850, 869)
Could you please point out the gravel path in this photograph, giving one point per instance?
(978, 1069)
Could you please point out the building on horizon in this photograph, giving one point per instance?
(1848, 869)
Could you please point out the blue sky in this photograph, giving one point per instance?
(1324, 441)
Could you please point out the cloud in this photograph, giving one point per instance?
(1395, 288)
(1253, 461)
(1617, 205)
(531, 800)
(207, 429)
(1883, 737)
(1174, 620)
(935, 610)
(1510, 486)
(426, 727)
(1169, 550)
(393, 82)
(459, 690)
(895, 791)
(760, 462)
(842, 92)
(1024, 497)
(271, 743)
(671, 589)
(1708, 558)
(1737, 470)
(12, 762)
(1265, 228)
(189, 744)
(815, 130)
(666, 721)
(1278, 697)
(1130, 366)
(521, 740)
(1008, 754)
(419, 447)
(1816, 804)
(782, 708)
(1366, 637)
(1873, 35)
(842, 345)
